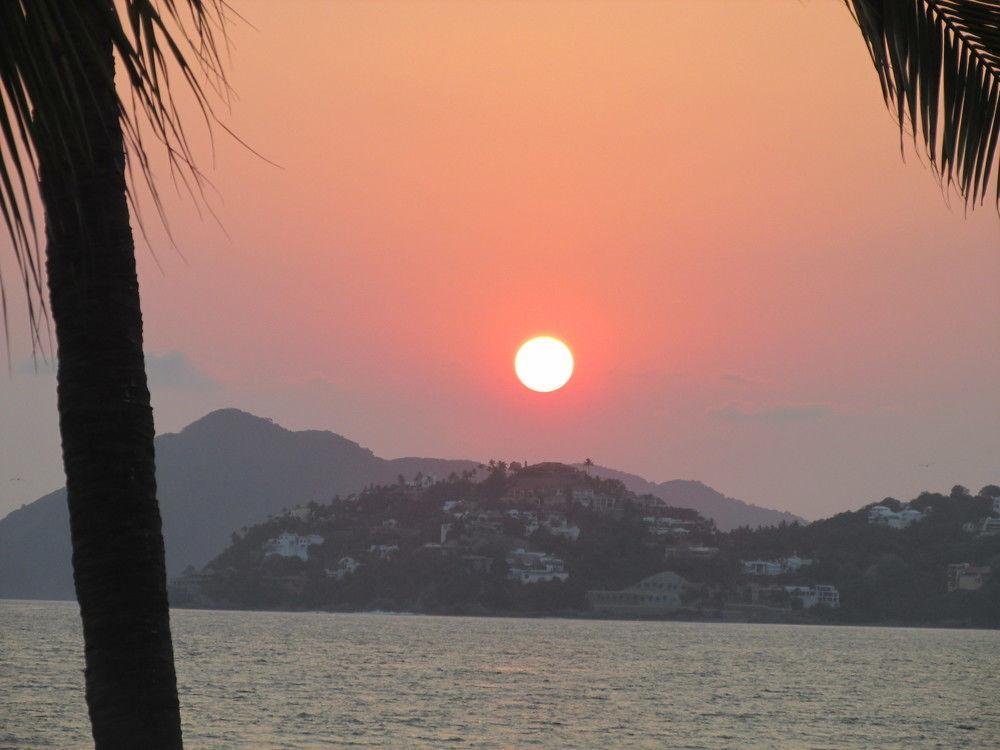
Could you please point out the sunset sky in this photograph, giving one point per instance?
(706, 200)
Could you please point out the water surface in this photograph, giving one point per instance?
(312, 680)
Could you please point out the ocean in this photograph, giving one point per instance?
(317, 680)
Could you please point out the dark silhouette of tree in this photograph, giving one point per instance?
(67, 132)
(939, 65)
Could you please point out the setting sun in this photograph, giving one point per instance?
(544, 364)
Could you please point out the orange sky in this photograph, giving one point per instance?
(706, 200)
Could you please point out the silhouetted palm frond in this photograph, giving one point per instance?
(44, 44)
(939, 65)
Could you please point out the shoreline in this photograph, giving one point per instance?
(688, 616)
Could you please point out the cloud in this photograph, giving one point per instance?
(775, 414)
(175, 370)
(169, 370)
(740, 379)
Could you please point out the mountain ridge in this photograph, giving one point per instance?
(224, 471)
(692, 493)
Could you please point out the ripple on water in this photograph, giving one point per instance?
(302, 680)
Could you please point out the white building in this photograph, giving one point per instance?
(778, 567)
(996, 506)
(991, 526)
(383, 551)
(344, 566)
(967, 577)
(657, 594)
(664, 525)
(761, 567)
(894, 519)
(593, 500)
(535, 567)
(422, 481)
(557, 525)
(288, 544)
(795, 563)
(812, 596)
(528, 517)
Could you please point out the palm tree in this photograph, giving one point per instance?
(939, 65)
(65, 129)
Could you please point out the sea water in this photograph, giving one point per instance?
(317, 680)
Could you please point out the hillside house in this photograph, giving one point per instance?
(657, 594)
(990, 527)
(665, 525)
(761, 568)
(595, 501)
(795, 563)
(345, 566)
(814, 596)
(288, 544)
(781, 566)
(557, 525)
(967, 577)
(535, 567)
(528, 518)
(689, 552)
(895, 519)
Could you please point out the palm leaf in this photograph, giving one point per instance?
(44, 45)
(939, 65)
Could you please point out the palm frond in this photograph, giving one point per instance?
(939, 65)
(44, 47)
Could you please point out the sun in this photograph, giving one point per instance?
(544, 364)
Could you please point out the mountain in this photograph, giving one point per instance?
(227, 470)
(727, 512)
(232, 469)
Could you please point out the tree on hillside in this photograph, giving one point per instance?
(69, 136)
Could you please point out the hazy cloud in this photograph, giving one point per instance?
(175, 370)
(774, 414)
(168, 370)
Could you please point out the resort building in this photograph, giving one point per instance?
(657, 594)
(894, 519)
(664, 525)
(967, 577)
(595, 501)
(761, 567)
(812, 596)
(288, 544)
(689, 552)
(990, 527)
(557, 525)
(778, 567)
(795, 563)
(344, 566)
(535, 567)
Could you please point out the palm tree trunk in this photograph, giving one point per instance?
(105, 417)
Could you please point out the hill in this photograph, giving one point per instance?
(549, 539)
(727, 512)
(227, 470)
(232, 469)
